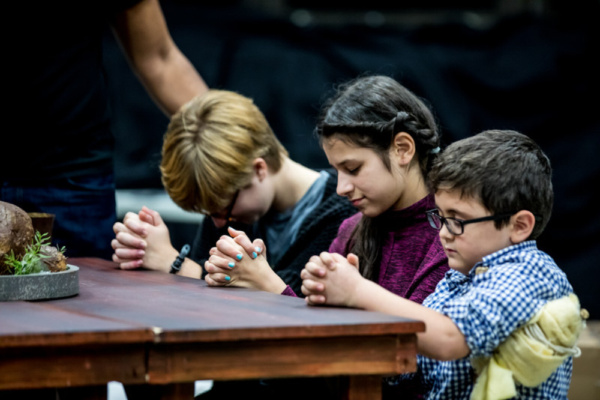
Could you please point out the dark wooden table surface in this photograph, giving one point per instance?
(148, 328)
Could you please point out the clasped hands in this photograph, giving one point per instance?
(331, 278)
(328, 278)
(142, 240)
(237, 261)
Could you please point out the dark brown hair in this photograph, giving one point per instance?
(505, 170)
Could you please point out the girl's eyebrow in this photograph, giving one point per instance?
(342, 163)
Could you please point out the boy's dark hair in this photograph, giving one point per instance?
(506, 170)
(368, 112)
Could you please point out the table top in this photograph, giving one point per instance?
(160, 328)
(121, 306)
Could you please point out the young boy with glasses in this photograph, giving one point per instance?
(504, 320)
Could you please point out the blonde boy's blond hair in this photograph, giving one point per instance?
(209, 148)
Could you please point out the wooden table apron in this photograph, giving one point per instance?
(141, 327)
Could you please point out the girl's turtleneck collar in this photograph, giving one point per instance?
(408, 215)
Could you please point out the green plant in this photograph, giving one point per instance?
(31, 263)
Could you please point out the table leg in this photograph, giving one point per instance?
(364, 387)
(175, 391)
(71, 393)
(82, 393)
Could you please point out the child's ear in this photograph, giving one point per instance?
(404, 147)
(522, 224)
(261, 169)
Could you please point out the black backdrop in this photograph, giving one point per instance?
(533, 74)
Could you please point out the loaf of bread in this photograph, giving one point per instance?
(16, 232)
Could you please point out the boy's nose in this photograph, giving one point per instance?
(445, 233)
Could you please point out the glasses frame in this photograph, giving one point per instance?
(228, 212)
(432, 214)
(231, 205)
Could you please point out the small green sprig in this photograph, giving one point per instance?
(31, 263)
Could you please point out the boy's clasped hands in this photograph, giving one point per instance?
(237, 261)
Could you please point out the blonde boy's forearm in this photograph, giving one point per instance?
(190, 269)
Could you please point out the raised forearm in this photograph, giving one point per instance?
(171, 81)
(168, 76)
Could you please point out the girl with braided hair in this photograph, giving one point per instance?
(381, 138)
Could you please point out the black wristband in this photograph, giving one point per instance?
(176, 266)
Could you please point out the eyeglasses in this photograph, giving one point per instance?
(457, 226)
(228, 210)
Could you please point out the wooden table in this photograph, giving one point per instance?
(148, 328)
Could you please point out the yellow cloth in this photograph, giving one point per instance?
(532, 353)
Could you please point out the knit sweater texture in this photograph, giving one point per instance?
(413, 259)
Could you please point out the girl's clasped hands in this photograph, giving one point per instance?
(332, 279)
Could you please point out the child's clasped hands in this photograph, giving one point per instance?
(237, 261)
(331, 278)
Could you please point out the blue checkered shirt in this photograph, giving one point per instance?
(487, 308)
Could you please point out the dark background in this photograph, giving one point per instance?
(531, 66)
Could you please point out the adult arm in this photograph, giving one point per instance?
(166, 73)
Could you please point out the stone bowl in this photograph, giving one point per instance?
(40, 286)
